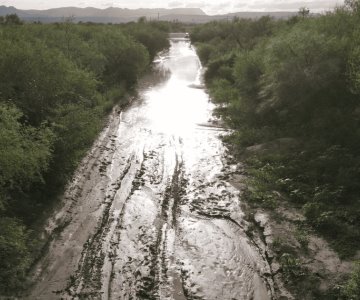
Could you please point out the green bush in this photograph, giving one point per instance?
(291, 267)
(14, 254)
(25, 153)
(57, 84)
(296, 79)
(351, 289)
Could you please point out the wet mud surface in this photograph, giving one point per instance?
(150, 213)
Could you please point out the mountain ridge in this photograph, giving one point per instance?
(123, 15)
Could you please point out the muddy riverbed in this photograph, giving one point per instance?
(150, 213)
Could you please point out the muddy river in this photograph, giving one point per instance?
(150, 213)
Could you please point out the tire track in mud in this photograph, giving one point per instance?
(87, 185)
(173, 195)
(87, 280)
(146, 271)
(213, 209)
(156, 282)
(136, 184)
(212, 203)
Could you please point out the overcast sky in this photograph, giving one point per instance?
(209, 6)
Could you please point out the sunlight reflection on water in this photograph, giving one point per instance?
(176, 107)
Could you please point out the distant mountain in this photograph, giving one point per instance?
(259, 14)
(245, 15)
(122, 15)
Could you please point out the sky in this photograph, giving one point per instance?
(208, 6)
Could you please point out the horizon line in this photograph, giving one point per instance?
(167, 8)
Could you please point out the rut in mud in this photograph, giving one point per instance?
(150, 214)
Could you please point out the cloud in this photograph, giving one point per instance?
(240, 5)
(292, 5)
(175, 4)
(108, 4)
(6, 3)
(197, 4)
(209, 6)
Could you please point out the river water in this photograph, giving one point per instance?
(150, 213)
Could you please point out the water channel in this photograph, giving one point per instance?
(150, 213)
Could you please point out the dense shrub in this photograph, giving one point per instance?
(14, 254)
(297, 79)
(57, 83)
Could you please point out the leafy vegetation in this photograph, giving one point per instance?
(352, 288)
(290, 89)
(57, 83)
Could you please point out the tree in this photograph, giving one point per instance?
(126, 59)
(12, 19)
(353, 5)
(352, 288)
(67, 25)
(152, 38)
(27, 77)
(142, 19)
(304, 12)
(14, 254)
(56, 82)
(25, 153)
(76, 126)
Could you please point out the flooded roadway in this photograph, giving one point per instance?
(150, 214)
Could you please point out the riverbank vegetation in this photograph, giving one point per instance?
(290, 90)
(57, 84)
